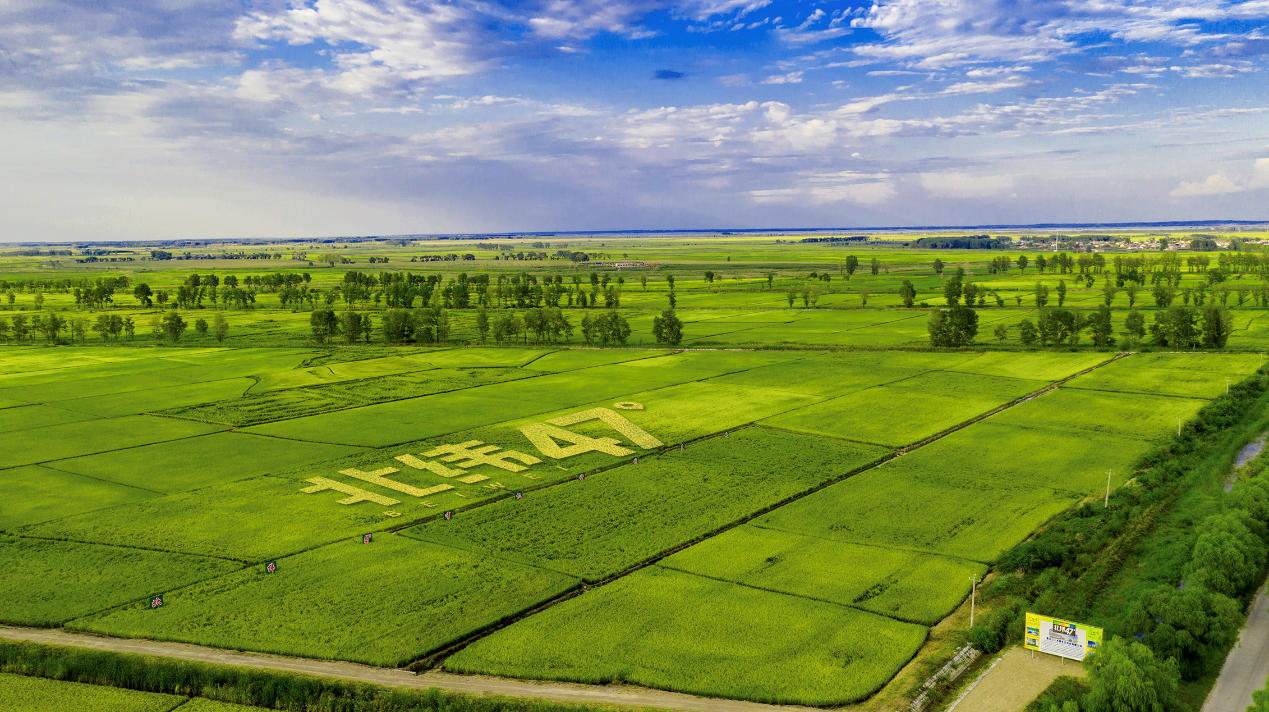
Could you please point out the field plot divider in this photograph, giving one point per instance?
(1017, 401)
(51, 465)
(796, 595)
(439, 656)
(42, 463)
(128, 546)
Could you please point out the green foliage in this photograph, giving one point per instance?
(953, 327)
(1228, 558)
(1001, 627)
(268, 689)
(1063, 691)
(686, 633)
(667, 328)
(1127, 677)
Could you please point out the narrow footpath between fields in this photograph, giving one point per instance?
(1247, 666)
(619, 695)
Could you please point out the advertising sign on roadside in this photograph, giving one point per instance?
(1060, 637)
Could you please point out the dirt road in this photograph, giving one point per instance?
(618, 695)
(1247, 666)
(1016, 680)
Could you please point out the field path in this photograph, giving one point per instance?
(1016, 680)
(620, 695)
(1247, 666)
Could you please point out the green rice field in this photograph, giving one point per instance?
(776, 525)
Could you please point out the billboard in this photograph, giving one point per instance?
(1060, 637)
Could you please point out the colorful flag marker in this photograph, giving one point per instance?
(449, 514)
(156, 602)
(519, 494)
(367, 538)
(581, 477)
(271, 567)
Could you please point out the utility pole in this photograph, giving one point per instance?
(973, 589)
(1108, 475)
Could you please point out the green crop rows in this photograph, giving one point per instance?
(771, 542)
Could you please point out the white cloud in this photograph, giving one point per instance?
(1216, 184)
(790, 78)
(964, 185)
(1204, 71)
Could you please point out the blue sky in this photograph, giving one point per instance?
(195, 118)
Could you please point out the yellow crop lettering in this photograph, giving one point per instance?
(355, 494)
(614, 420)
(543, 437)
(434, 467)
(377, 478)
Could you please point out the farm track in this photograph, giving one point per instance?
(607, 695)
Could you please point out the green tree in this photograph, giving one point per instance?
(220, 327)
(1131, 291)
(1022, 263)
(953, 327)
(1027, 332)
(643, 282)
(669, 279)
(201, 327)
(1162, 295)
(791, 295)
(142, 293)
(907, 293)
(1260, 700)
(173, 325)
(1101, 328)
(667, 328)
(1129, 677)
(852, 264)
(876, 266)
(1134, 326)
(952, 291)
(1228, 557)
(1218, 324)
(938, 268)
(39, 301)
(1108, 293)
(482, 317)
(1041, 295)
(709, 277)
(324, 323)
(674, 300)
(1002, 332)
(770, 279)
(1061, 292)
(1192, 625)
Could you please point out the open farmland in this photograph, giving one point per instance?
(704, 497)
(23, 694)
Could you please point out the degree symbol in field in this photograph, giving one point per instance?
(628, 405)
(391, 514)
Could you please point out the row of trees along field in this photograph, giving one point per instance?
(1203, 561)
(108, 327)
(543, 325)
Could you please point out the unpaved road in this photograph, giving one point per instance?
(620, 695)
(1016, 680)
(1247, 666)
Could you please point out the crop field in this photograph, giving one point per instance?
(676, 631)
(703, 498)
(19, 693)
(616, 519)
(379, 603)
